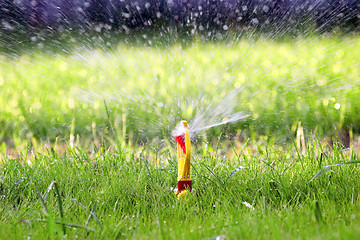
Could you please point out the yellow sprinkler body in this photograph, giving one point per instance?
(184, 158)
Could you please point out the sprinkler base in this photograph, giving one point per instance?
(184, 185)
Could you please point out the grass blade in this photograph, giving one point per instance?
(42, 201)
(79, 203)
(233, 172)
(60, 205)
(112, 127)
(48, 190)
(346, 163)
(215, 175)
(327, 169)
(323, 171)
(92, 214)
(318, 214)
(68, 224)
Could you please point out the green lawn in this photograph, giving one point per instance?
(132, 197)
(314, 81)
(87, 132)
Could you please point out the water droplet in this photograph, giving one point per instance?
(266, 8)
(254, 21)
(218, 35)
(126, 15)
(98, 28)
(6, 25)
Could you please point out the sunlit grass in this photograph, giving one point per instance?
(314, 81)
(255, 194)
(86, 151)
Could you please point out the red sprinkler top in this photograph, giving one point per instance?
(181, 140)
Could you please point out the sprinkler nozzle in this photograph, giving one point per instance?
(182, 138)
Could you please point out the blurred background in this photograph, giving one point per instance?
(95, 69)
(189, 16)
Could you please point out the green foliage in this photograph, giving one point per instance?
(124, 195)
(88, 178)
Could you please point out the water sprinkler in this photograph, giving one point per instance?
(182, 137)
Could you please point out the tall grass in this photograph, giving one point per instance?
(71, 123)
(255, 194)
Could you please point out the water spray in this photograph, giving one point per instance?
(182, 137)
